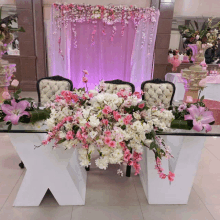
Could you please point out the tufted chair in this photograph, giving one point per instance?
(158, 92)
(114, 86)
(49, 87)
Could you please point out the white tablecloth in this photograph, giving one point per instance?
(212, 91)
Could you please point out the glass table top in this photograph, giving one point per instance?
(174, 132)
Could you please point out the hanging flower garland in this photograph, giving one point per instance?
(64, 14)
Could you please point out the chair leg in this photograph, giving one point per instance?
(21, 165)
(128, 170)
(87, 168)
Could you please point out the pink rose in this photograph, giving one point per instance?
(84, 79)
(189, 99)
(202, 83)
(6, 95)
(15, 83)
(141, 106)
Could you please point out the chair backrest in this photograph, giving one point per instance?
(114, 86)
(49, 87)
(157, 92)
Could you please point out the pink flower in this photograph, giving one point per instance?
(107, 140)
(90, 95)
(69, 135)
(112, 144)
(84, 79)
(105, 121)
(127, 119)
(189, 99)
(108, 133)
(201, 118)
(15, 111)
(141, 105)
(6, 95)
(182, 107)
(137, 94)
(171, 176)
(86, 72)
(163, 175)
(15, 83)
(107, 110)
(117, 116)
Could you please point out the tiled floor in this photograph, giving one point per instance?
(109, 196)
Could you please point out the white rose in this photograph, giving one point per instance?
(136, 116)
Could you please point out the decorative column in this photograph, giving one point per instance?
(166, 8)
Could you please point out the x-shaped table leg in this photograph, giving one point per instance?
(47, 168)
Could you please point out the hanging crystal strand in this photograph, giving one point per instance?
(123, 23)
(113, 32)
(59, 42)
(93, 33)
(74, 35)
(103, 29)
(143, 34)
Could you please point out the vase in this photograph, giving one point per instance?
(195, 73)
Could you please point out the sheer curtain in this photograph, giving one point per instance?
(123, 57)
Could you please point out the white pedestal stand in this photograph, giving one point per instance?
(55, 169)
(187, 151)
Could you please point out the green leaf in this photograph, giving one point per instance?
(18, 91)
(202, 98)
(181, 124)
(16, 96)
(9, 127)
(123, 127)
(61, 141)
(39, 114)
(153, 145)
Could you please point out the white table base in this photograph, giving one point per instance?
(55, 169)
(187, 152)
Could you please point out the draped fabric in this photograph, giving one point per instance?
(120, 58)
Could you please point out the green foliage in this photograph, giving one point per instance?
(39, 114)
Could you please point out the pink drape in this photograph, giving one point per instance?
(123, 58)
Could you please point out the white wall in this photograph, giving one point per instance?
(197, 8)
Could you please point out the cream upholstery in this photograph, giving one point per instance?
(114, 88)
(157, 94)
(50, 88)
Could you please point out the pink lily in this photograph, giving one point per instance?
(15, 111)
(201, 118)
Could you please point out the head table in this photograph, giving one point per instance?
(59, 170)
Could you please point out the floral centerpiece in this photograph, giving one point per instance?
(193, 114)
(207, 34)
(16, 109)
(117, 125)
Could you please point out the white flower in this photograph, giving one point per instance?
(102, 163)
(94, 122)
(85, 162)
(136, 116)
(83, 152)
(92, 134)
(91, 148)
(94, 92)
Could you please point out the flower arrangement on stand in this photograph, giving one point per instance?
(6, 37)
(118, 126)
